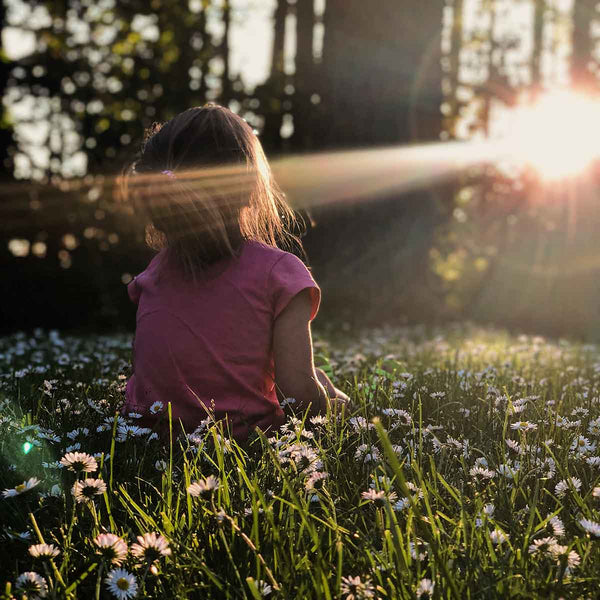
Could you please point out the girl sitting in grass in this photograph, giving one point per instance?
(223, 317)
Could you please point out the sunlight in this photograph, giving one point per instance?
(558, 136)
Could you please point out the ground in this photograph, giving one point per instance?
(468, 467)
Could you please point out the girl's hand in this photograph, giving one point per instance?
(336, 397)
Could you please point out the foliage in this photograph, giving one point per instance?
(468, 463)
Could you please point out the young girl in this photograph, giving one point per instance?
(223, 317)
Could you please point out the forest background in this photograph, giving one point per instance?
(81, 79)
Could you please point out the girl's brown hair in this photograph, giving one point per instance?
(202, 185)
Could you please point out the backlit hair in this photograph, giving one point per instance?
(202, 185)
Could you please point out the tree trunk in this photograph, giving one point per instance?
(305, 75)
(583, 14)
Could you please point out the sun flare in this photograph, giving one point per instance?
(558, 136)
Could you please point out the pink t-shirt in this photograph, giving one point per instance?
(211, 342)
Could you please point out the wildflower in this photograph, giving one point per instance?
(403, 417)
(506, 470)
(264, 589)
(125, 432)
(401, 504)
(563, 486)
(514, 445)
(156, 407)
(112, 547)
(305, 457)
(596, 492)
(582, 445)
(79, 462)
(80, 431)
(44, 551)
(221, 515)
(523, 426)
(591, 527)
(594, 427)
(85, 490)
(160, 465)
(488, 510)
(21, 488)
(418, 552)
(355, 589)
(204, 487)
(150, 547)
(367, 453)
(360, 423)
(425, 588)
(318, 420)
(481, 472)
(374, 496)
(498, 537)
(543, 545)
(593, 461)
(32, 584)
(557, 526)
(121, 584)
(315, 479)
(134, 415)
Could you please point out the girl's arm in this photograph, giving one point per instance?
(292, 352)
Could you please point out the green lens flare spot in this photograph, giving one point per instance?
(27, 446)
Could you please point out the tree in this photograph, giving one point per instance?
(582, 44)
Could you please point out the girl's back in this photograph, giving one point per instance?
(221, 315)
(209, 343)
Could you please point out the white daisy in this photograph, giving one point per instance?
(80, 462)
(355, 589)
(112, 547)
(44, 551)
(122, 584)
(482, 473)
(498, 537)
(562, 487)
(150, 547)
(204, 487)
(264, 589)
(425, 588)
(32, 584)
(373, 495)
(543, 545)
(85, 490)
(21, 488)
(156, 407)
(523, 426)
(557, 526)
(591, 527)
(582, 445)
(315, 480)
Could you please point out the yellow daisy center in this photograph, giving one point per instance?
(122, 583)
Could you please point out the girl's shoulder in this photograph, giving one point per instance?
(269, 254)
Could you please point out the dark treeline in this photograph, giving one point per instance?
(362, 75)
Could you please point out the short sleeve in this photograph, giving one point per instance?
(288, 277)
(133, 291)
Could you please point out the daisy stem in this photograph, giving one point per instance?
(41, 539)
(143, 582)
(99, 580)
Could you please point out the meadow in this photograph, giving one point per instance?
(468, 467)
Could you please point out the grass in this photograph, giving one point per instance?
(467, 468)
